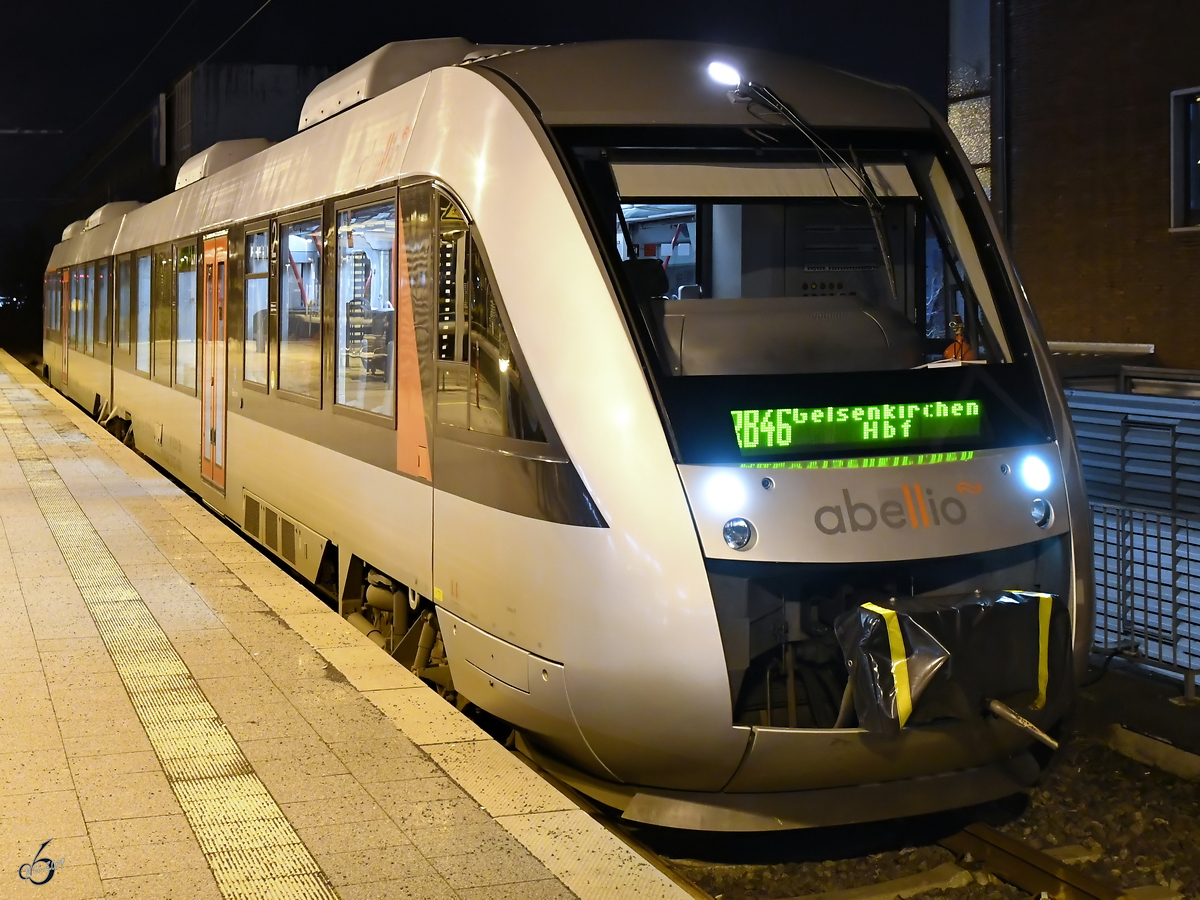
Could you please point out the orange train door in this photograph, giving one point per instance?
(213, 362)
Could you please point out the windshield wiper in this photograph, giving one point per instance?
(856, 173)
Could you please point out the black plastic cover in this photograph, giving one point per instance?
(958, 652)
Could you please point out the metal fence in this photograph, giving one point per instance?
(1147, 566)
(1141, 460)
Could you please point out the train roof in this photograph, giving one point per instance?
(607, 83)
(667, 83)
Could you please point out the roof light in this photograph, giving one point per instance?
(723, 73)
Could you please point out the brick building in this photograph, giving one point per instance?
(1089, 161)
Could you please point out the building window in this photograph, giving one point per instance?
(185, 316)
(1185, 158)
(300, 308)
(257, 312)
(969, 94)
(366, 313)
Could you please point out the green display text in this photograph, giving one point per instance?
(766, 431)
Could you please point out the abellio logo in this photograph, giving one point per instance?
(919, 508)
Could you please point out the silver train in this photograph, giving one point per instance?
(626, 391)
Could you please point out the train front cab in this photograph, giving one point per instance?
(864, 417)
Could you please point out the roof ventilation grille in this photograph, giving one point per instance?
(220, 155)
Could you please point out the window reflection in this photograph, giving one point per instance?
(480, 383)
(160, 318)
(185, 316)
(76, 309)
(124, 297)
(366, 315)
(257, 276)
(88, 309)
(300, 248)
(142, 317)
(102, 335)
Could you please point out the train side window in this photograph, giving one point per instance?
(47, 300)
(52, 303)
(483, 385)
(161, 290)
(185, 316)
(254, 363)
(141, 317)
(300, 249)
(366, 308)
(87, 342)
(452, 363)
(82, 306)
(102, 300)
(76, 308)
(47, 303)
(124, 298)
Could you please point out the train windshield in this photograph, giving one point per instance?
(744, 269)
(785, 293)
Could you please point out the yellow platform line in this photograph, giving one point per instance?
(252, 849)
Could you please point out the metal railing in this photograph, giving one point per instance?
(1148, 588)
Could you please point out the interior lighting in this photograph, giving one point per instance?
(725, 493)
(723, 73)
(1035, 473)
(503, 364)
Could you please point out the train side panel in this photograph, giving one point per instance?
(628, 607)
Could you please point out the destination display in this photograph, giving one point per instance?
(769, 431)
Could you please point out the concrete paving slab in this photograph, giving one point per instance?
(386, 783)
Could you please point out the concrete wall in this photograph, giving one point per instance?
(232, 101)
(1089, 140)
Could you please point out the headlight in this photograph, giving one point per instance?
(739, 534)
(1042, 512)
(725, 493)
(1035, 473)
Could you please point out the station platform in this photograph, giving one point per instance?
(182, 719)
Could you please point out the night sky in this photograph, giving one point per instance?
(60, 62)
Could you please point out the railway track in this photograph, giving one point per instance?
(980, 846)
(1031, 870)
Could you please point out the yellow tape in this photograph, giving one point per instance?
(899, 661)
(1044, 607)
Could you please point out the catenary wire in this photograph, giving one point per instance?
(134, 71)
(169, 93)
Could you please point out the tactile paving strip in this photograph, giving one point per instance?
(253, 851)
